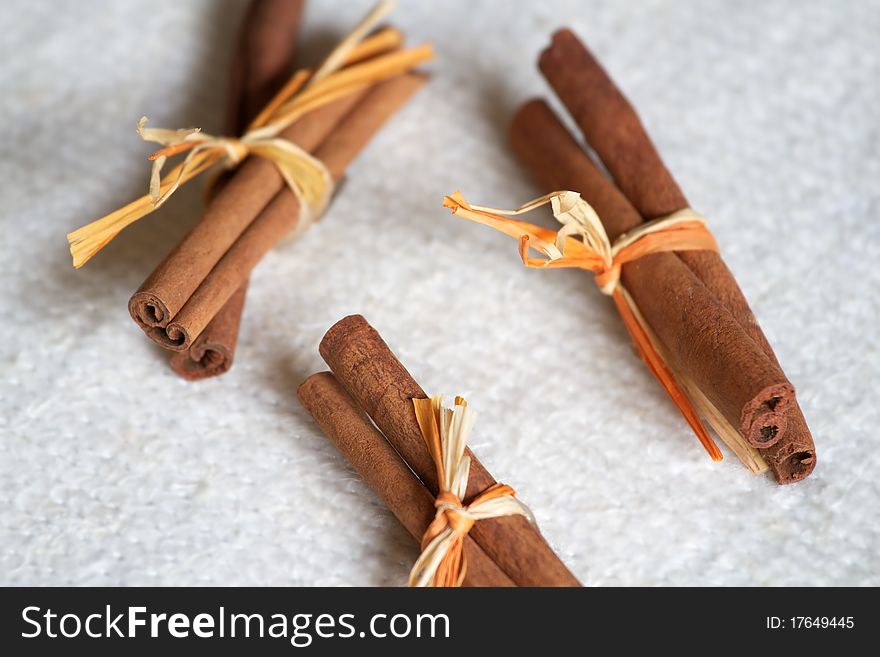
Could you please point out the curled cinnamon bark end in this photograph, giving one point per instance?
(213, 351)
(764, 419)
(792, 460)
(173, 338)
(148, 311)
(202, 361)
(766, 430)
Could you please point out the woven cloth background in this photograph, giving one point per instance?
(113, 471)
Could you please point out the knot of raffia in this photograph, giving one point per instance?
(582, 243)
(358, 62)
(305, 175)
(450, 513)
(445, 431)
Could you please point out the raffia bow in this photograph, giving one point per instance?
(583, 243)
(346, 70)
(442, 561)
(306, 176)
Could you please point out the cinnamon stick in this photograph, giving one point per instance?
(280, 216)
(343, 421)
(212, 353)
(165, 291)
(365, 366)
(252, 186)
(262, 61)
(613, 129)
(268, 44)
(702, 336)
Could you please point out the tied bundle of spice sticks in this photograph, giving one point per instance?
(287, 161)
(471, 529)
(655, 257)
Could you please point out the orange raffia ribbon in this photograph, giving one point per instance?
(442, 561)
(356, 63)
(582, 243)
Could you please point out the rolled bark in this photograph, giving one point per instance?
(268, 43)
(365, 366)
(213, 352)
(254, 184)
(262, 61)
(342, 420)
(702, 336)
(613, 129)
(281, 215)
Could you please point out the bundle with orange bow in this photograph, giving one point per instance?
(649, 251)
(413, 453)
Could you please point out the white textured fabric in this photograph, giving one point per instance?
(114, 471)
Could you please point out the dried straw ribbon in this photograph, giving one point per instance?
(445, 430)
(583, 243)
(351, 66)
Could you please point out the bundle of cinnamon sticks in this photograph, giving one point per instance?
(369, 383)
(691, 303)
(192, 302)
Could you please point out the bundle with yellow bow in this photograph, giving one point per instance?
(304, 175)
(287, 163)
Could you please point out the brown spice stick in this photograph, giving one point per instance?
(281, 215)
(268, 45)
(702, 336)
(343, 421)
(262, 61)
(241, 199)
(214, 350)
(369, 371)
(613, 129)
(272, 47)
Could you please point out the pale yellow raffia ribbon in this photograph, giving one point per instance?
(305, 175)
(445, 431)
(583, 243)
